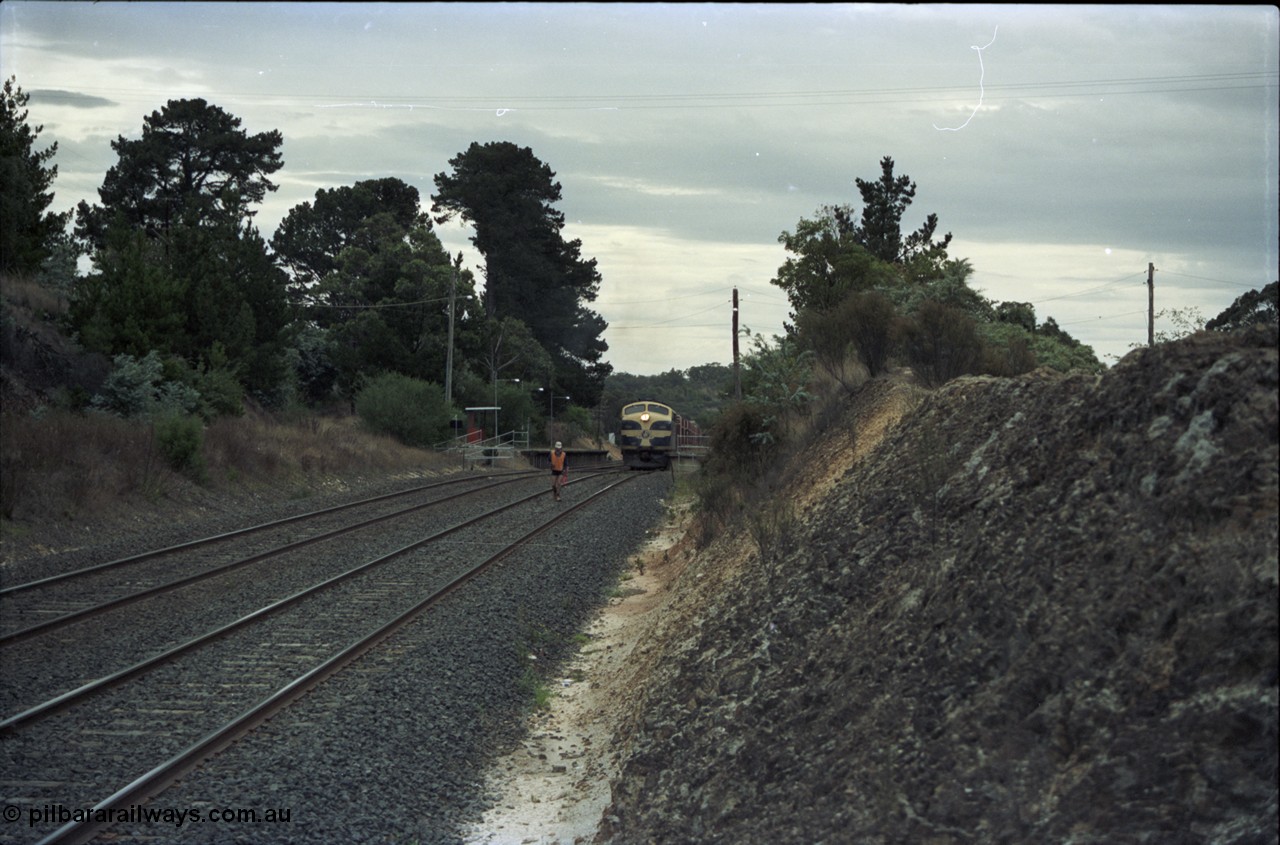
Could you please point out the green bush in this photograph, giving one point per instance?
(149, 386)
(738, 447)
(408, 409)
(573, 423)
(1063, 355)
(221, 393)
(1006, 349)
(861, 324)
(180, 439)
(776, 378)
(942, 343)
(130, 390)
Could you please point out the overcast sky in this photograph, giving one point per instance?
(1064, 147)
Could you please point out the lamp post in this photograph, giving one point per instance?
(495, 401)
(553, 411)
(551, 408)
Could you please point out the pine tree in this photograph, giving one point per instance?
(531, 272)
(28, 233)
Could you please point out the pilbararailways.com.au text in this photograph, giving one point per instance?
(138, 814)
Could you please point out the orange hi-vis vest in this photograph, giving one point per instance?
(557, 460)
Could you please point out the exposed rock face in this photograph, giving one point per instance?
(1040, 609)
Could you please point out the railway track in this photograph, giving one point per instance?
(194, 697)
(61, 599)
(198, 586)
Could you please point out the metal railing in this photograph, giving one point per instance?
(502, 447)
(692, 445)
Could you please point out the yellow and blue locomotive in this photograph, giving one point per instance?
(647, 435)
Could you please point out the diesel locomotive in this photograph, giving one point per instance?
(651, 433)
(647, 435)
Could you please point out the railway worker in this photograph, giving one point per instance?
(558, 456)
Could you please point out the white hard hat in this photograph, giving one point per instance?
(557, 444)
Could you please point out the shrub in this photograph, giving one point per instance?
(410, 410)
(150, 386)
(774, 527)
(737, 447)
(220, 393)
(1007, 349)
(862, 323)
(174, 397)
(130, 389)
(573, 423)
(1020, 314)
(180, 438)
(1055, 348)
(718, 502)
(942, 343)
(872, 320)
(313, 366)
(776, 379)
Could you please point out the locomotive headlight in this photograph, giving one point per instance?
(644, 417)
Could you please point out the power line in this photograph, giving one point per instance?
(1206, 279)
(378, 305)
(1088, 290)
(759, 295)
(612, 303)
(1107, 317)
(662, 323)
(656, 326)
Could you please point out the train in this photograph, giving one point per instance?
(651, 433)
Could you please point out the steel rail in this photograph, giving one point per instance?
(166, 774)
(72, 697)
(168, 586)
(191, 544)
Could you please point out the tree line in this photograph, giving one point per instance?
(867, 294)
(354, 295)
(353, 288)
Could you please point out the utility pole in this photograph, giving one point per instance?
(737, 379)
(1151, 304)
(448, 366)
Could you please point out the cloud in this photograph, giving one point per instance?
(1098, 291)
(661, 291)
(636, 185)
(688, 136)
(71, 99)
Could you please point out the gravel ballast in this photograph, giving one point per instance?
(394, 749)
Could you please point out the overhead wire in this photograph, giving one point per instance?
(1207, 279)
(316, 304)
(613, 303)
(1102, 317)
(661, 323)
(1088, 290)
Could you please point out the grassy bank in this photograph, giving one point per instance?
(63, 467)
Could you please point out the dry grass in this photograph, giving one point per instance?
(66, 475)
(61, 463)
(260, 448)
(28, 293)
(91, 469)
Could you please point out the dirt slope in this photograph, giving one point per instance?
(1040, 609)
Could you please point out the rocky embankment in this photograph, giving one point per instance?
(1040, 609)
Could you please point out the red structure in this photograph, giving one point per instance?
(475, 430)
(690, 441)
